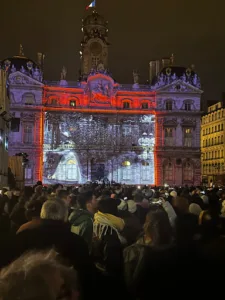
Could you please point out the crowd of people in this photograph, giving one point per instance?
(130, 242)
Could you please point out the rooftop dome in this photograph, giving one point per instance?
(18, 63)
(94, 19)
(23, 64)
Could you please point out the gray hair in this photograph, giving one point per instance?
(54, 210)
(32, 277)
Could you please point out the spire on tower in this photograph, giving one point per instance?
(21, 53)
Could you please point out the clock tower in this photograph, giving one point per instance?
(94, 46)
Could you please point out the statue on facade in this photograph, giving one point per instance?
(136, 77)
(174, 76)
(36, 73)
(22, 69)
(100, 67)
(183, 78)
(13, 69)
(195, 79)
(161, 79)
(63, 73)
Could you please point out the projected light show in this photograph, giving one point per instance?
(80, 147)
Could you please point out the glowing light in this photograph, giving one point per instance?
(126, 163)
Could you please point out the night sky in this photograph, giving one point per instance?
(139, 31)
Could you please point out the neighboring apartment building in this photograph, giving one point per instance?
(97, 128)
(4, 128)
(212, 144)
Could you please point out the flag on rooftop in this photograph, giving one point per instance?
(93, 4)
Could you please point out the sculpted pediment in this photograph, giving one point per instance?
(179, 87)
(18, 78)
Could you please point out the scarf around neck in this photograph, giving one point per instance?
(107, 223)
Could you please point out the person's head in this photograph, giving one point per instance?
(195, 209)
(38, 275)
(56, 188)
(33, 209)
(108, 206)
(157, 226)
(16, 192)
(138, 197)
(180, 205)
(192, 191)
(38, 189)
(39, 182)
(173, 194)
(54, 210)
(64, 196)
(87, 201)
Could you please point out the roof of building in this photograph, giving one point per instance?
(94, 19)
(178, 70)
(18, 62)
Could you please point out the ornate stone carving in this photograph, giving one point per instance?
(170, 122)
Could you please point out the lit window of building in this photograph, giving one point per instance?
(169, 139)
(188, 137)
(73, 103)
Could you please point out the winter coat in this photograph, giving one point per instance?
(144, 266)
(81, 222)
(71, 247)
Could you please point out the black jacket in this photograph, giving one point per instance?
(57, 235)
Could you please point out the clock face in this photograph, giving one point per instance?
(96, 48)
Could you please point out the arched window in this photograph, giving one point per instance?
(126, 104)
(28, 99)
(73, 103)
(188, 172)
(144, 105)
(53, 101)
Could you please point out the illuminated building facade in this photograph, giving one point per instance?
(212, 144)
(96, 128)
(4, 129)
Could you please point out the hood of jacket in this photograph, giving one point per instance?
(79, 216)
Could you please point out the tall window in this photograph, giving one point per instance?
(187, 106)
(187, 137)
(169, 136)
(168, 173)
(28, 172)
(188, 172)
(95, 61)
(28, 133)
(169, 105)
